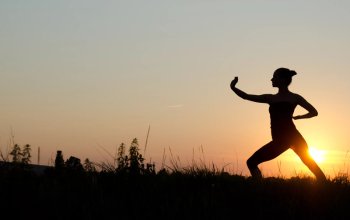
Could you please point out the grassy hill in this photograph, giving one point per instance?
(178, 194)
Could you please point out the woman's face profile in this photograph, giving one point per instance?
(277, 80)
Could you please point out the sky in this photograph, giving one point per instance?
(85, 76)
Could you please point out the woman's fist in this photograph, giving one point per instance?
(234, 82)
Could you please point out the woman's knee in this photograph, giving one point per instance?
(251, 163)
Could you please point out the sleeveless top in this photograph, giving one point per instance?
(281, 114)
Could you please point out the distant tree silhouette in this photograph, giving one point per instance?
(133, 163)
(89, 166)
(122, 159)
(73, 163)
(26, 154)
(59, 161)
(135, 158)
(16, 153)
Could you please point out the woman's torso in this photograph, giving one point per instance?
(281, 117)
(281, 114)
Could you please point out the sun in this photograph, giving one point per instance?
(317, 155)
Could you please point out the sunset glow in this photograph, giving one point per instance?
(100, 75)
(318, 155)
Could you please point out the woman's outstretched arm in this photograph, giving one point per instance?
(312, 112)
(254, 98)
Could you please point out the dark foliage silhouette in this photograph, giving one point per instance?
(59, 161)
(16, 153)
(26, 155)
(89, 166)
(74, 164)
(19, 155)
(196, 192)
(133, 163)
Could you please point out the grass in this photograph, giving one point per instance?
(197, 192)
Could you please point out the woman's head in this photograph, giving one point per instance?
(282, 77)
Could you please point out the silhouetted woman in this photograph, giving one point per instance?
(284, 133)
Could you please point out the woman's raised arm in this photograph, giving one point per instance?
(254, 98)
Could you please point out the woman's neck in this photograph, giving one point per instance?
(283, 90)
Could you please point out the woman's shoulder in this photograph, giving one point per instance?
(292, 98)
(297, 97)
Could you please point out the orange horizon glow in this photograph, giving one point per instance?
(85, 82)
(318, 155)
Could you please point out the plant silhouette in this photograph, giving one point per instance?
(197, 192)
(284, 133)
(133, 163)
(89, 166)
(59, 161)
(26, 154)
(20, 156)
(16, 154)
(74, 164)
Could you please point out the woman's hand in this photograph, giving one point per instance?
(234, 82)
